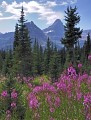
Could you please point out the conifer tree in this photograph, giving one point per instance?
(1, 62)
(72, 33)
(62, 58)
(37, 59)
(77, 53)
(7, 64)
(39, 62)
(82, 54)
(16, 37)
(87, 46)
(47, 56)
(54, 65)
(41, 56)
(22, 48)
(14, 96)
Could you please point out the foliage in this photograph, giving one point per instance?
(72, 33)
(66, 99)
(87, 46)
(11, 104)
(22, 48)
(47, 57)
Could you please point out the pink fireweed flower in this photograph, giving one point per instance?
(48, 87)
(71, 71)
(52, 89)
(61, 86)
(37, 89)
(85, 76)
(87, 100)
(13, 104)
(88, 116)
(87, 106)
(52, 110)
(14, 94)
(89, 82)
(33, 102)
(4, 93)
(79, 95)
(57, 102)
(49, 100)
(89, 57)
(79, 65)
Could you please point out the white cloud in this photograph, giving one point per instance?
(64, 3)
(71, 1)
(58, 2)
(51, 4)
(61, 2)
(12, 8)
(44, 11)
(1, 13)
(8, 18)
(50, 16)
(4, 4)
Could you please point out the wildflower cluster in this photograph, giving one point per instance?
(13, 101)
(87, 105)
(4, 93)
(72, 91)
(45, 93)
(71, 72)
(70, 86)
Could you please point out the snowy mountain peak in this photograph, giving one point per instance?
(55, 32)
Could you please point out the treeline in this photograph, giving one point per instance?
(49, 61)
(33, 60)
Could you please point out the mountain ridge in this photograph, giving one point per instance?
(55, 32)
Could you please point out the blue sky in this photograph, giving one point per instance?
(42, 12)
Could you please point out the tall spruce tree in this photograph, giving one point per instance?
(16, 52)
(47, 56)
(72, 33)
(36, 59)
(22, 48)
(54, 65)
(41, 56)
(16, 37)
